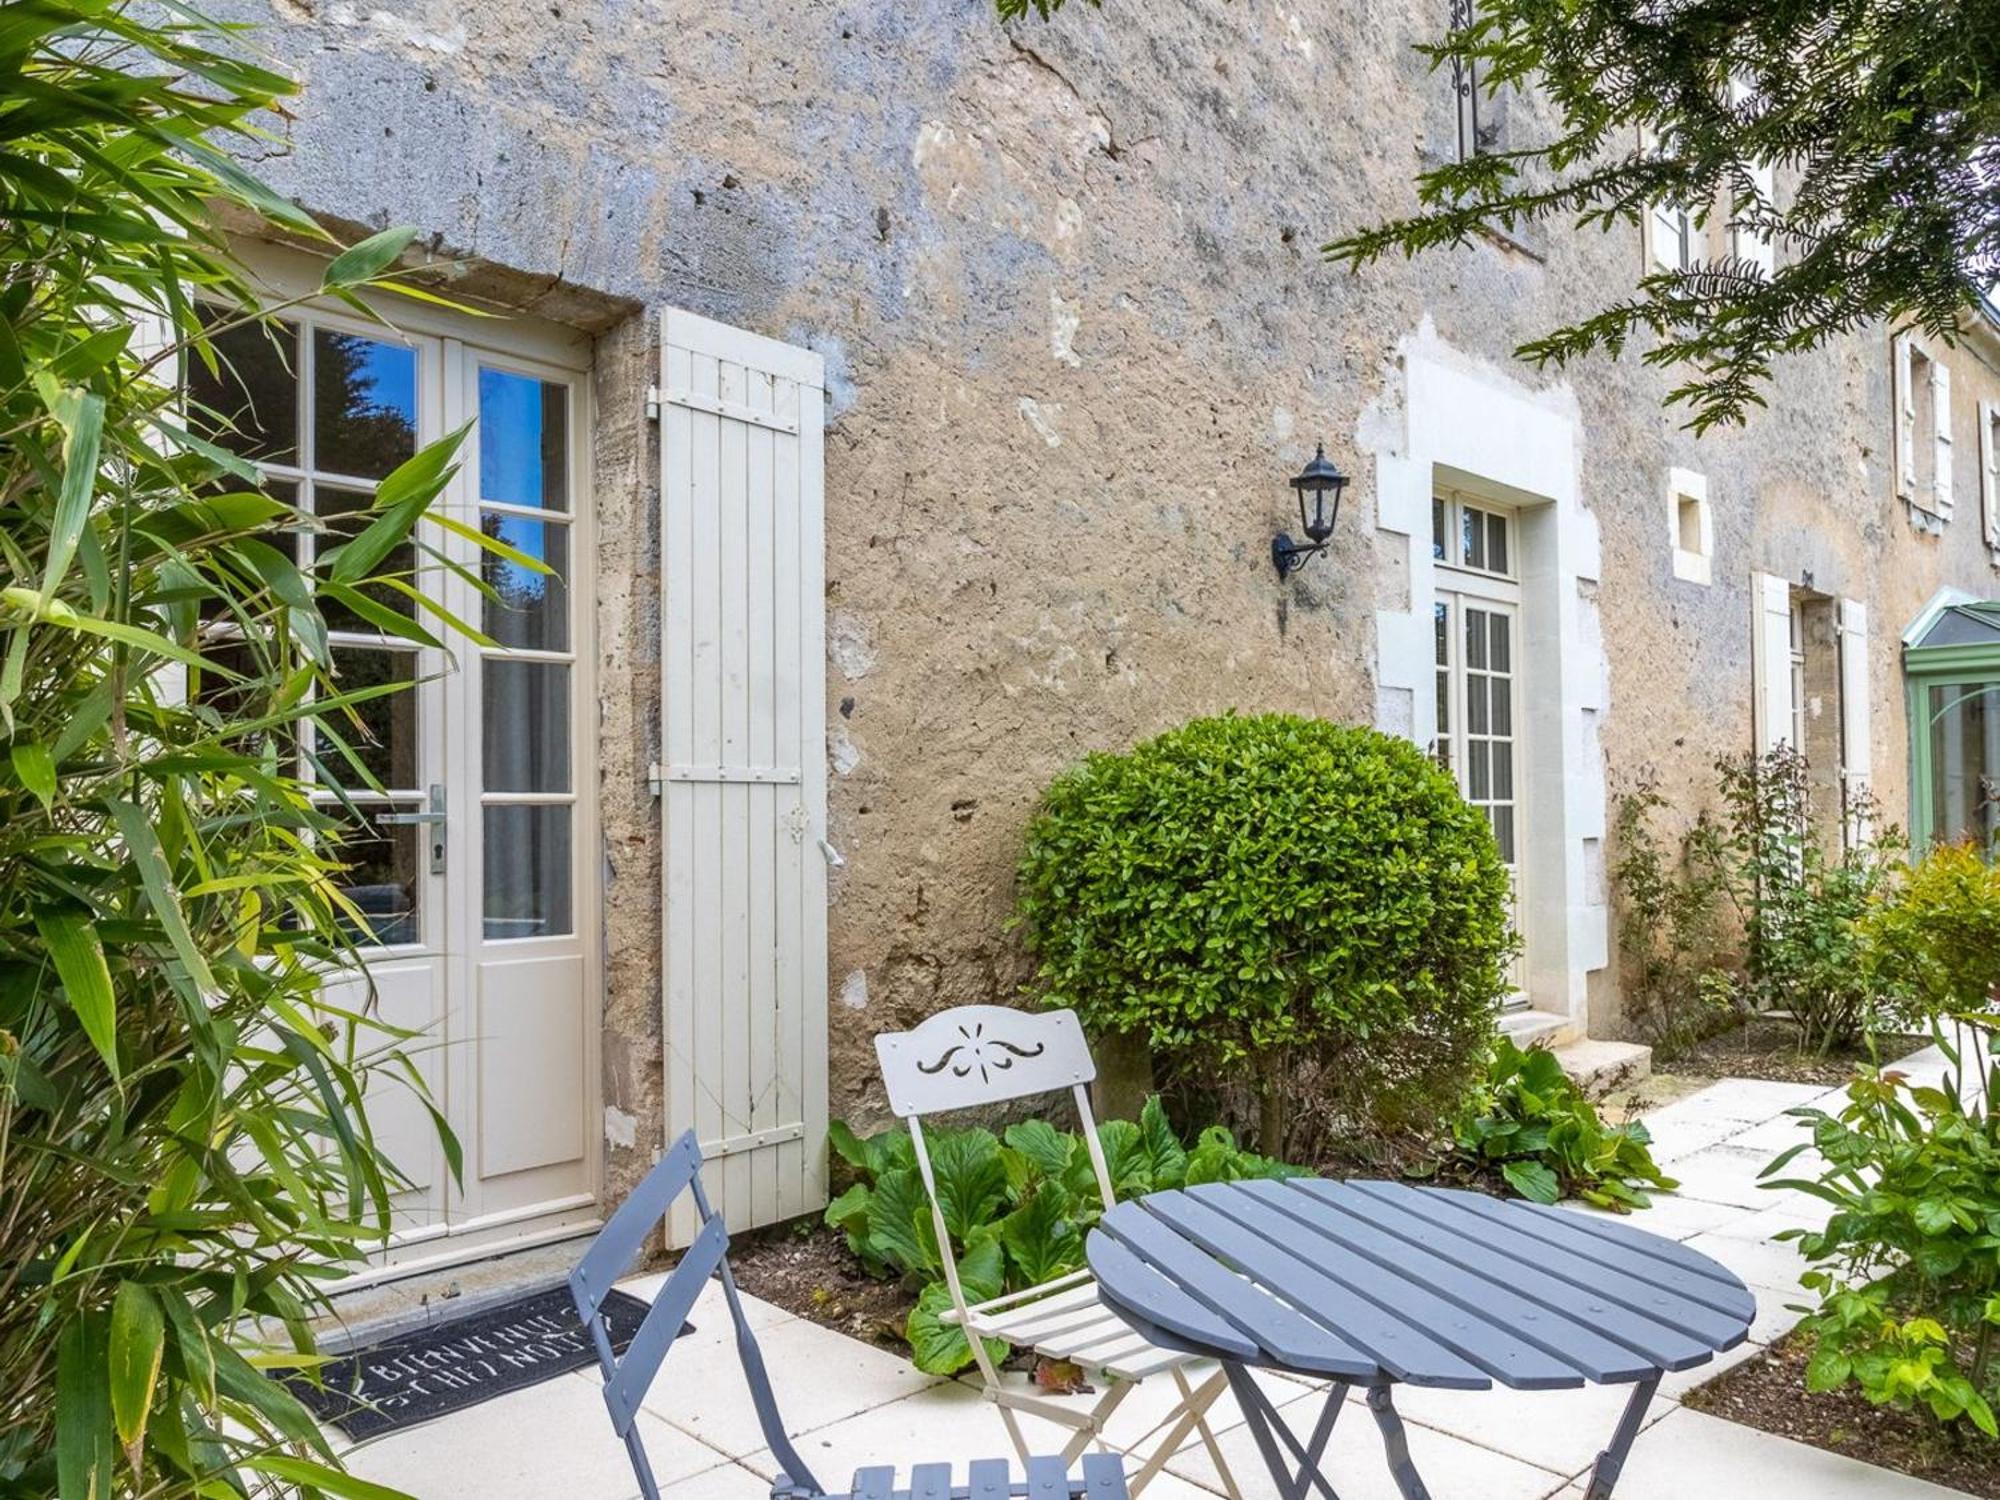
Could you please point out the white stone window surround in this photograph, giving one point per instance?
(1471, 426)
(1690, 520)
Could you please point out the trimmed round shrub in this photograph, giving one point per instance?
(1264, 899)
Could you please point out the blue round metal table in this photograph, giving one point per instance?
(1375, 1284)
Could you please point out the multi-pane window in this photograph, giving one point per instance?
(528, 786)
(326, 413)
(1475, 537)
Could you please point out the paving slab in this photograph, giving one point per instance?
(548, 1439)
(1730, 1176)
(820, 1376)
(1450, 1465)
(1692, 1454)
(1562, 1431)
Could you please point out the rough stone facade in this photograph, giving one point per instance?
(1077, 335)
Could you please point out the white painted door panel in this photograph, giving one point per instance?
(743, 735)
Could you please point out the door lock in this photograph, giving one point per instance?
(433, 819)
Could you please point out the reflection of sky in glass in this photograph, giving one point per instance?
(518, 587)
(510, 438)
(388, 376)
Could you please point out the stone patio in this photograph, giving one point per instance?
(849, 1402)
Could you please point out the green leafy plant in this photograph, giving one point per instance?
(1016, 1205)
(185, 1159)
(1936, 935)
(1907, 1268)
(1801, 905)
(1249, 892)
(1532, 1125)
(1669, 930)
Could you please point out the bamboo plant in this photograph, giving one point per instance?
(185, 1157)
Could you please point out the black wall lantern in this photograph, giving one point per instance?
(1323, 482)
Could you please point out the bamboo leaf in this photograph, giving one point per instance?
(36, 768)
(370, 258)
(81, 415)
(138, 1342)
(85, 1448)
(143, 845)
(78, 956)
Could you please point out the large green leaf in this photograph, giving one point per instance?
(1533, 1180)
(1044, 1147)
(971, 1181)
(1166, 1158)
(1041, 1239)
(938, 1347)
(895, 1212)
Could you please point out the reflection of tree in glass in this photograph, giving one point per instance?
(517, 587)
(250, 403)
(357, 427)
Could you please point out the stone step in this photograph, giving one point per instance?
(1603, 1068)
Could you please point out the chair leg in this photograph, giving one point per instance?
(1114, 1396)
(1213, 1387)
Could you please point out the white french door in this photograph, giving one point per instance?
(1477, 614)
(467, 853)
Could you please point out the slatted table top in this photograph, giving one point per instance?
(1382, 1281)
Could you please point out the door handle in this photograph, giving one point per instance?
(433, 817)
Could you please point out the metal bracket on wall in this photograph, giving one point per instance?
(652, 403)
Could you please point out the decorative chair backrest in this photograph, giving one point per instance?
(628, 1378)
(985, 1054)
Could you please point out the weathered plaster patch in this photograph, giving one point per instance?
(1042, 419)
(849, 646)
(620, 1129)
(854, 990)
(401, 31)
(1064, 320)
(839, 376)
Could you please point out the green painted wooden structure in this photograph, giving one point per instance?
(1951, 675)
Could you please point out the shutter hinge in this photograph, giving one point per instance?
(652, 403)
(656, 780)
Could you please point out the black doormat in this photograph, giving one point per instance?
(459, 1363)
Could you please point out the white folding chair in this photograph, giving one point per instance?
(987, 1054)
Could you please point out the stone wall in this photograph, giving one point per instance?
(1077, 335)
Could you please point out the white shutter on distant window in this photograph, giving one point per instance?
(1906, 421)
(1771, 661)
(1856, 762)
(1989, 471)
(1941, 437)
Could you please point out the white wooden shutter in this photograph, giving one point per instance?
(1941, 499)
(1906, 420)
(743, 736)
(1856, 761)
(1989, 472)
(1771, 661)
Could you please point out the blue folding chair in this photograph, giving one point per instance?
(627, 1380)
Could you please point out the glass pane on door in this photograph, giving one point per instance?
(527, 870)
(384, 874)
